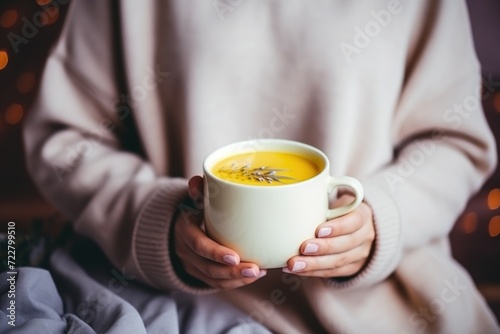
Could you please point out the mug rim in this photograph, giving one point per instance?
(258, 142)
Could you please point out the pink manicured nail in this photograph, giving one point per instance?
(262, 273)
(286, 270)
(311, 249)
(249, 272)
(324, 231)
(230, 259)
(298, 265)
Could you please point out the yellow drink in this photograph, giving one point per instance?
(266, 168)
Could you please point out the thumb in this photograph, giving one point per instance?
(195, 187)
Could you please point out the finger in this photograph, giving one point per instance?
(224, 283)
(214, 270)
(204, 269)
(330, 246)
(217, 270)
(343, 225)
(195, 187)
(344, 271)
(340, 226)
(340, 244)
(327, 246)
(326, 262)
(203, 246)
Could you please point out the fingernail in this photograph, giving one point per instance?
(311, 249)
(324, 231)
(262, 273)
(249, 272)
(298, 265)
(230, 259)
(286, 270)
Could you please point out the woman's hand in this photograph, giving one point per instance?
(205, 259)
(342, 245)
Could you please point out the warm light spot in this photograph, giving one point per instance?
(52, 16)
(494, 199)
(469, 222)
(496, 102)
(494, 226)
(26, 82)
(8, 19)
(4, 59)
(43, 2)
(50, 13)
(14, 114)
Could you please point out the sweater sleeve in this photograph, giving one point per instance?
(444, 149)
(76, 146)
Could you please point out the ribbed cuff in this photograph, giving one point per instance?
(388, 241)
(152, 235)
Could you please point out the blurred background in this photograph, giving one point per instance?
(28, 30)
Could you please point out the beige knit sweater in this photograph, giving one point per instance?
(137, 93)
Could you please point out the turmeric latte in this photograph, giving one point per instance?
(266, 168)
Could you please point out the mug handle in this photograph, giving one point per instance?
(350, 182)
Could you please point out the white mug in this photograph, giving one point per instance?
(266, 225)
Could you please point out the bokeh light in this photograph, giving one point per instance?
(26, 82)
(496, 102)
(494, 226)
(4, 59)
(53, 17)
(43, 2)
(469, 222)
(14, 114)
(50, 12)
(494, 199)
(8, 19)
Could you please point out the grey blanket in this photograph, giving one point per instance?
(91, 296)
